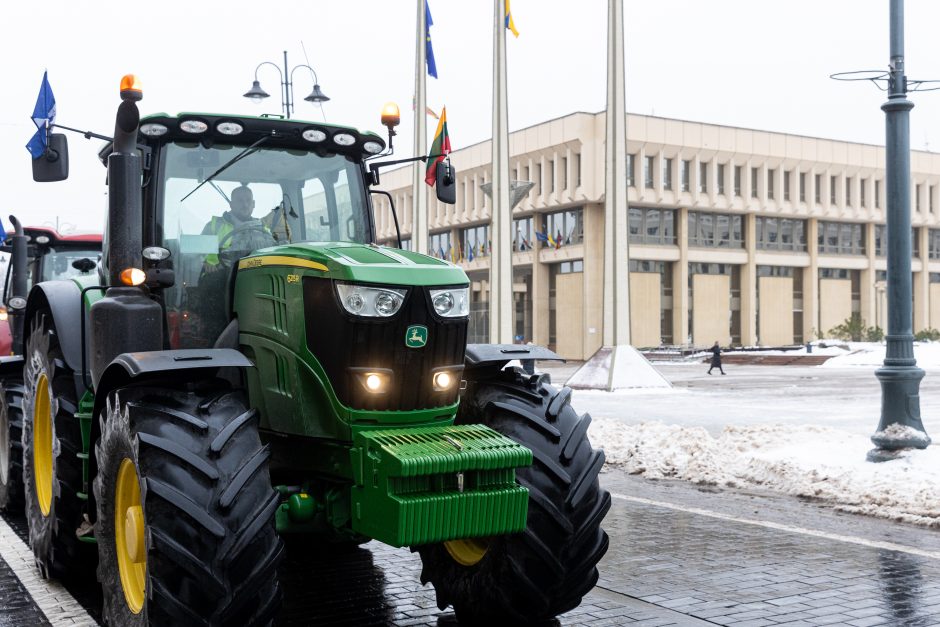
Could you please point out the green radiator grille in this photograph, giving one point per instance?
(428, 484)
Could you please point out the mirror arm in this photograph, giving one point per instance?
(374, 167)
(86, 134)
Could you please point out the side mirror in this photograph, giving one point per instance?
(446, 182)
(54, 164)
(84, 265)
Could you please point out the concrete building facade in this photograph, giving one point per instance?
(743, 236)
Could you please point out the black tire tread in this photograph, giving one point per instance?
(11, 398)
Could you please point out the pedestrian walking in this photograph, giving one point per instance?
(716, 359)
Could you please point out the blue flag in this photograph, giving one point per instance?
(429, 51)
(43, 117)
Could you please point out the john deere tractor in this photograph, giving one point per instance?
(236, 380)
(36, 254)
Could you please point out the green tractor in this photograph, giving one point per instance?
(230, 385)
(36, 254)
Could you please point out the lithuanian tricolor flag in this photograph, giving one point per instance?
(440, 147)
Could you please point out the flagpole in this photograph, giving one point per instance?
(501, 213)
(616, 252)
(419, 189)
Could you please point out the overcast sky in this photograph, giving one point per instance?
(751, 63)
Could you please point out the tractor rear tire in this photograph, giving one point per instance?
(199, 544)
(11, 443)
(533, 576)
(52, 442)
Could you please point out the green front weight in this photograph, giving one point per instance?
(430, 484)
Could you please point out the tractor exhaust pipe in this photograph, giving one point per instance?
(126, 319)
(16, 305)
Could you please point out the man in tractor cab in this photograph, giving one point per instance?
(236, 229)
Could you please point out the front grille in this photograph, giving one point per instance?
(341, 341)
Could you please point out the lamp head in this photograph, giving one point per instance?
(256, 94)
(391, 116)
(316, 95)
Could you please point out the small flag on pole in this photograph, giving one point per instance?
(429, 50)
(509, 23)
(440, 147)
(43, 117)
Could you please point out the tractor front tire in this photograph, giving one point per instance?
(185, 522)
(52, 469)
(533, 576)
(11, 443)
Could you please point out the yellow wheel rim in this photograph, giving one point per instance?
(42, 445)
(467, 552)
(129, 536)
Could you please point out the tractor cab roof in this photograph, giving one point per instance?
(45, 237)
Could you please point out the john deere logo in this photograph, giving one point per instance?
(416, 336)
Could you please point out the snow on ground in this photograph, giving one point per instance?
(810, 461)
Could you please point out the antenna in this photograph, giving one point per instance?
(307, 60)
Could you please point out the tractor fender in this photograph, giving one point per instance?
(483, 359)
(133, 367)
(64, 300)
(11, 365)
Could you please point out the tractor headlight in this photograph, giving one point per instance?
(451, 302)
(373, 302)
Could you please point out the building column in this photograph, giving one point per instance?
(749, 283)
(593, 306)
(811, 283)
(867, 291)
(540, 303)
(922, 283)
(680, 280)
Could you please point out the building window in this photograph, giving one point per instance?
(786, 185)
(848, 191)
(551, 176)
(917, 190)
(522, 235)
(577, 170)
(631, 166)
(802, 186)
(841, 238)
(564, 173)
(703, 177)
(877, 194)
(716, 230)
(538, 178)
(881, 242)
(737, 180)
(861, 192)
(754, 174)
(770, 184)
(652, 226)
(933, 243)
(930, 197)
(439, 245)
(563, 228)
(667, 173)
(832, 190)
(784, 234)
(569, 267)
(684, 168)
(818, 181)
(721, 178)
(474, 242)
(405, 243)
(648, 173)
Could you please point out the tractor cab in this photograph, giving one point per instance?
(52, 256)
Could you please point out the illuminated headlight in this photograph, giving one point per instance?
(373, 148)
(153, 130)
(344, 139)
(3, 316)
(229, 128)
(194, 126)
(42, 239)
(17, 302)
(451, 302)
(443, 380)
(314, 135)
(373, 302)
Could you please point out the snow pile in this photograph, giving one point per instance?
(809, 461)
(872, 354)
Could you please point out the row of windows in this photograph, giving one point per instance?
(716, 230)
(545, 179)
(780, 234)
(666, 167)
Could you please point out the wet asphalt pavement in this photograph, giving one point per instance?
(680, 555)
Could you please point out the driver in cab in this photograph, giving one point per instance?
(236, 229)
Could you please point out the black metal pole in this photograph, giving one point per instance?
(900, 426)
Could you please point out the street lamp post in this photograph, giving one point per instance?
(900, 426)
(257, 94)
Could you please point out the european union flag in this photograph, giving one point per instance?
(43, 117)
(429, 51)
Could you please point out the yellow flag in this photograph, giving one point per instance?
(509, 22)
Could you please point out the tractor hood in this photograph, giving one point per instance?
(360, 263)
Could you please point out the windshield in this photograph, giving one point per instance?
(57, 264)
(270, 196)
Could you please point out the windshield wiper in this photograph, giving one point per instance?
(225, 166)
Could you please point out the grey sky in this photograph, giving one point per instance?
(750, 63)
